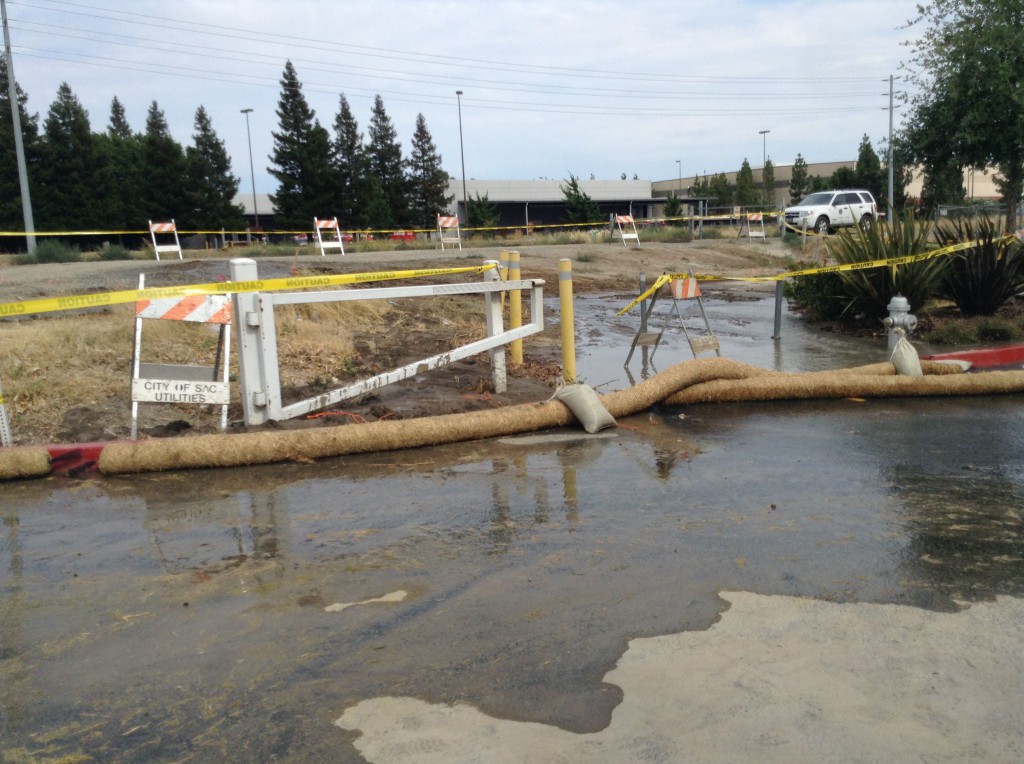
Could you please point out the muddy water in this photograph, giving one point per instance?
(188, 617)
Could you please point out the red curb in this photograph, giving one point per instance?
(983, 357)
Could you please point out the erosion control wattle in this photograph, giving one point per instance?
(706, 380)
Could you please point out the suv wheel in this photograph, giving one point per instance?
(866, 222)
(821, 225)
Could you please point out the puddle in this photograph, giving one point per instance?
(189, 615)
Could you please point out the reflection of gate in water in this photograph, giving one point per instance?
(191, 534)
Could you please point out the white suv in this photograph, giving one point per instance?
(827, 210)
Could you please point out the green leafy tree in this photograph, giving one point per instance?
(843, 177)
(11, 215)
(799, 181)
(72, 175)
(967, 66)
(386, 163)
(483, 213)
(211, 186)
(352, 166)
(428, 182)
(579, 207)
(162, 192)
(943, 183)
(768, 176)
(746, 191)
(301, 160)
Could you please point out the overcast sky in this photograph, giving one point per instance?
(549, 88)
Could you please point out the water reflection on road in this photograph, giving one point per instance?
(185, 616)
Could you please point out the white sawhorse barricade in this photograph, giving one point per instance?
(627, 229)
(754, 219)
(178, 383)
(165, 229)
(257, 338)
(448, 230)
(328, 225)
(681, 288)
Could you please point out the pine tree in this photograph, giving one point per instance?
(11, 215)
(768, 178)
(428, 182)
(301, 160)
(122, 153)
(579, 207)
(118, 127)
(211, 186)
(162, 189)
(799, 182)
(483, 213)
(386, 163)
(746, 193)
(720, 191)
(352, 167)
(869, 170)
(72, 176)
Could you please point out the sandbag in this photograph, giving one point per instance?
(905, 359)
(586, 406)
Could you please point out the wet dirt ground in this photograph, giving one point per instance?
(200, 616)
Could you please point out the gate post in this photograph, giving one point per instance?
(257, 347)
(495, 326)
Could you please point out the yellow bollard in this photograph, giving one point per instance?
(568, 322)
(515, 308)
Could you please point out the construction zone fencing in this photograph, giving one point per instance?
(258, 357)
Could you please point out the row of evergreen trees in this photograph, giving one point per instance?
(114, 180)
(117, 179)
(366, 183)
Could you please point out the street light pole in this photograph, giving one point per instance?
(19, 146)
(679, 167)
(252, 171)
(764, 161)
(462, 154)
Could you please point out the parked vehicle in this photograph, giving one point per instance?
(824, 211)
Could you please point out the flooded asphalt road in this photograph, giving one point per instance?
(199, 616)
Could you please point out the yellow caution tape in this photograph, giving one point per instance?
(101, 299)
(894, 261)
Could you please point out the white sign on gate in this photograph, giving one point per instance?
(179, 391)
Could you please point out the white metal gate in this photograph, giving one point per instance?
(257, 338)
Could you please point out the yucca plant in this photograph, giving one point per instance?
(866, 292)
(983, 278)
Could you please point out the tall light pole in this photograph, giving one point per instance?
(252, 172)
(764, 146)
(679, 167)
(764, 161)
(462, 154)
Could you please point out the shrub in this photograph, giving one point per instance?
(867, 291)
(821, 295)
(994, 329)
(983, 278)
(115, 252)
(54, 251)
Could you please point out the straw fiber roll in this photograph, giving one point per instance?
(24, 462)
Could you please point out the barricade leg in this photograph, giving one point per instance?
(257, 349)
(495, 326)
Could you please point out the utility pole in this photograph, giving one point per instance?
(891, 193)
(19, 145)
(462, 154)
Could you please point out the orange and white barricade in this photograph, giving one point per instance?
(331, 228)
(627, 229)
(679, 288)
(448, 230)
(164, 230)
(183, 383)
(755, 219)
